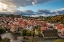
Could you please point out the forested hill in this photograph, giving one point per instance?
(57, 18)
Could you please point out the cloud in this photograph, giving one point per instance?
(7, 8)
(58, 11)
(33, 3)
(44, 13)
(39, 12)
(13, 5)
(22, 3)
(28, 11)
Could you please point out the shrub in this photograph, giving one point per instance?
(30, 40)
(59, 40)
(23, 32)
(2, 30)
(28, 33)
(32, 33)
(5, 40)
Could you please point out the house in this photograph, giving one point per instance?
(59, 27)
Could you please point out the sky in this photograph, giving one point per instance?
(33, 8)
(56, 4)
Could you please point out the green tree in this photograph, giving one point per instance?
(0, 38)
(23, 32)
(39, 30)
(33, 31)
(2, 30)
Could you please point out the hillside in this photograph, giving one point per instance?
(57, 18)
(53, 19)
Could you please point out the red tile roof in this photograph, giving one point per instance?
(43, 28)
(60, 26)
